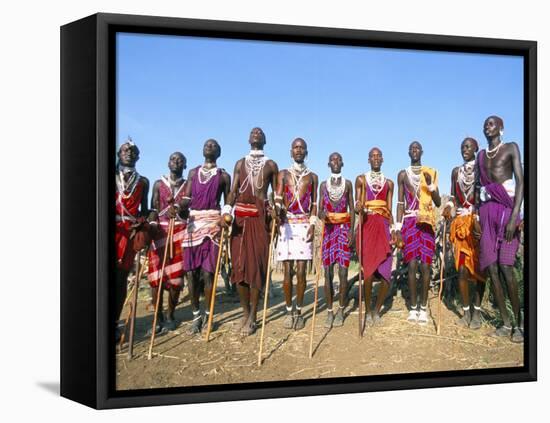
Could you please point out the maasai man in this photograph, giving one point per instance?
(296, 205)
(465, 245)
(167, 193)
(499, 200)
(336, 199)
(373, 196)
(131, 231)
(417, 193)
(253, 175)
(203, 192)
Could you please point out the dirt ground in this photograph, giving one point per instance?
(180, 359)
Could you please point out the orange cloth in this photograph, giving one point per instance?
(426, 210)
(377, 207)
(463, 240)
(337, 218)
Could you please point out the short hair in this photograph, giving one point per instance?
(338, 154)
(473, 140)
(498, 119)
(299, 139)
(180, 154)
(219, 146)
(132, 146)
(263, 133)
(415, 142)
(375, 148)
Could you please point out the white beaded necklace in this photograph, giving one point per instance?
(495, 150)
(298, 171)
(126, 188)
(206, 174)
(335, 191)
(414, 178)
(254, 164)
(375, 181)
(466, 178)
(175, 185)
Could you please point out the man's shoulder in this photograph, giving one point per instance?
(511, 146)
(270, 162)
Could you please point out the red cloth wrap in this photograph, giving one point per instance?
(374, 243)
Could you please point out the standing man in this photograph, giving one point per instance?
(499, 199)
(253, 175)
(131, 231)
(296, 206)
(417, 194)
(465, 245)
(373, 194)
(167, 193)
(203, 192)
(336, 198)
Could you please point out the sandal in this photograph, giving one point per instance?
(503, 331)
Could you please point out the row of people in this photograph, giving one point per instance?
(484, 231)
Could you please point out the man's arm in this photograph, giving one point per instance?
(518, 194)
(390, 199)
(155, 203)
(278, 189)
(359, 194)
(232, 197)
(187, 190)
(452, 201)
(349, 189)
(225, 185)
(400, 209)
(321, 212)
(434, 191)
(477, 187)
(314, 197)
(144, 208)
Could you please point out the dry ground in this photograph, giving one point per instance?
(397, 346)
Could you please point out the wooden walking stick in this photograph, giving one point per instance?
(360, 257)
(159, 291)
(133, 308)
(266, 293)
(316, 292)
(441, 281)
(214, 283)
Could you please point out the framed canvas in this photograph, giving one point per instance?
(153, 109)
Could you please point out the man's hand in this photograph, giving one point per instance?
(428, 178)
(358, 206)
(398, 239)
(226, 220)
(310, 233)
(138, 223)
(511, 228)
(477, 230)
(173, 211)
(350, 239)
(153, 216)
(447, 212)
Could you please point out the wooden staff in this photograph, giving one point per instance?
(360, 254)
(159, 291)
(214, 283)
(133, 307)
(441, 280)
(266, 293)
(316, 292)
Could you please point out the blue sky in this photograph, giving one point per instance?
(173, 93)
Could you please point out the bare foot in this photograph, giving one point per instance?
(249, 327)
(237, 327)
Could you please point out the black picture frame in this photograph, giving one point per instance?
(88, 104)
